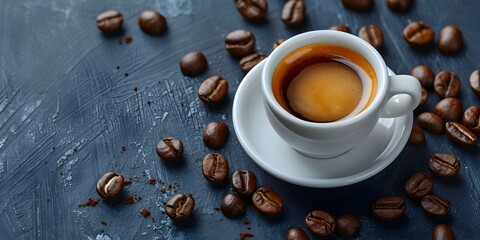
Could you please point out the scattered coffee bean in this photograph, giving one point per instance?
(248, 62)
(423, 99)
(449, 109)
(418, 185)
(417, 136)
(152, 22)
(471, 118)
(442, 232)
(244, 183)
(399, 5)
(341, 28)
(358, 5)
(193, 63)
(215, 134)
(424, 74)
(213, 89)
(435, 206)
(389, 208)
(450, 40)
(296, 233)
(431, 122)
(267, 201)
(372, 34)
(110, 185)
(320, 223)
(418, 34)
(170, 149)
(180, 207)
(460, 134)
(475, 81)
(293, 13)
(252, 9)
(278, 42)
(446, 84)
(110, 21)
(240, 42)
(215, 167)
(444, 165)
(233, 206)
(348, 225)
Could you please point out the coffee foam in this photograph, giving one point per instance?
(337, 53)
(325, 92)
(367, 87)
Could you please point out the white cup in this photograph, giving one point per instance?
(324, 140)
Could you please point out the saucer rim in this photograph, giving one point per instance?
(391, 152)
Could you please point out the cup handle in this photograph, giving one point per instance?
(403, 96)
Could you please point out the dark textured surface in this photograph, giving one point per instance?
(60, 90)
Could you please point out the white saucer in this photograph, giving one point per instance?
(274, 155)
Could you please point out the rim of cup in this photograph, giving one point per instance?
(330, 37)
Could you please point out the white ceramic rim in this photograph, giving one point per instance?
(337, 38)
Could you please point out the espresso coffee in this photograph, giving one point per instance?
(324, 83)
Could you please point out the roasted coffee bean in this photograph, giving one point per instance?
(215, 168)
(244, 183)
(435, 206)
(240, 42)
(418, 34)
(170, 149)
(389, 208)
(110, 21)
(449, 109)
(152, 22)
(296, 233)
(193, 63)
(475, 81)
(348, 225)
(213, 89)
(431, 122)
(267, 201)
(471, 118)
(278, 42)
(293, 13)
(418, 185)
(442, 232)
(180, 207)
(424, 74)
(399, 5)
(450, 40)
(358, 5)
(320, 223)
(233, 206)
(215, 134)
(250, 61)
(110, 185)
(446, 84)
(341, 28)
(417, 136)
(460, 134)
(444, 165)
(423, 99)
(252, 9)
(372, 34)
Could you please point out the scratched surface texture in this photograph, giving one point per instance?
(66, 111)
